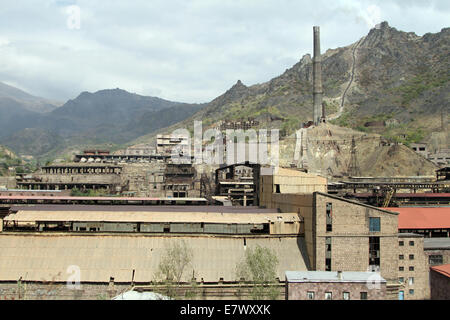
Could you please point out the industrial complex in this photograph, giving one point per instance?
(108, 218)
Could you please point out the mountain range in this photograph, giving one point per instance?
(395, 79)
(112, 116)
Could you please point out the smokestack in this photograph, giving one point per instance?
(317, 78)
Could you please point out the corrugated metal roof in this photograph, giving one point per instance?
(406, 195)
(422, 218)
(97, 198)
(171, 208)
(149, 216)
(444, 269)
(47, 257)
(436, 243)
(332, 276)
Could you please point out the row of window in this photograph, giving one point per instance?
(402, 243)
(435, 259)
(403, 268)
(410, 280)
(402, 257)
(411, 292)
(329, 295)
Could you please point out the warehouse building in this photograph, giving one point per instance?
(113, 248)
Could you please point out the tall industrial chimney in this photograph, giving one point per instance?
(317, 78)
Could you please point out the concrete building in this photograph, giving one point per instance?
(420, 148)
(165, 143)
(239, 183)
(82, 176)
(284, 180)
(440, 282)
(154, 219)
(332, 285)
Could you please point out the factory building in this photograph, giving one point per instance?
(116, 247)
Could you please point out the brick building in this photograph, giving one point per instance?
(345, 235)
(412, 267)
(331, 285)
(440, 282)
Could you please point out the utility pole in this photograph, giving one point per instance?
(353, 168)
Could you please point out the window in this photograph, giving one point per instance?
(277, 188)
(374, 224)
(328, 296)
(411, 268)
(363, 295)
(401, 243)
(328, 264)
(435, 259)
(346, 296)
(329, 215)
(401, 279)
(374, 253)
(401, 257)
(411, 243)
(411, 291)
(411, 257)
(328, 254)
(401, 268)
(310, 295)
(411, 281)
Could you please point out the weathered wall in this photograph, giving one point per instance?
(350, 236)
(59, 291)
(440, 286)
(303, 205)
(8, 182)
(299, 290)
(413, 245)
(105, 291)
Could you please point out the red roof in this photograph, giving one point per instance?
(444, 269)
(422, 218)
(91, 198)
(407, 195)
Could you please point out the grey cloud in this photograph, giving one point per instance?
(180, 50)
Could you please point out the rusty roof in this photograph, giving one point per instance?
(443, 269)
(422, 217)
(149, 208)
(405, 195)
(97, 198)
(150, 216)
(47, 257)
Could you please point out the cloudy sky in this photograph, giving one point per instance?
(182, 50)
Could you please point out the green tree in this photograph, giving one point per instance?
(259, 267)
(172, 266)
